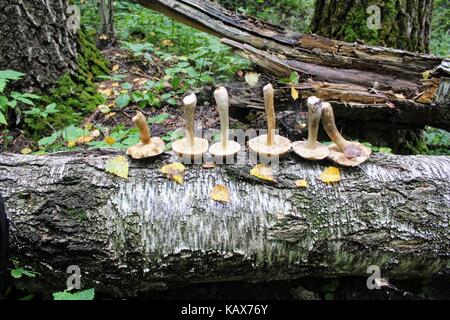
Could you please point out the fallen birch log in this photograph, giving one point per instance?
(148, 232)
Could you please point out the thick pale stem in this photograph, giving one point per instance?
(314, 116)
(270, 113)
(222, 100)
(330, 126)
(190, 102)
(141, 123)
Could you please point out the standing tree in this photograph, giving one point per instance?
(393, 23)
(403, 24)
(42, 39)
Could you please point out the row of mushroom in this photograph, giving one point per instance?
(341, 151)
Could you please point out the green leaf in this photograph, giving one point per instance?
(11, 75)
(159, 118)
(49, 140)
(123, 100)
(72, 133)
(2, 85)
(294, 78)
(2, 119)
(27, 297)
(88, 294)
(19, 272)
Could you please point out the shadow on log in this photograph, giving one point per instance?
(148, 232)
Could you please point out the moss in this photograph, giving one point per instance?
(75, 93)
(356, 27)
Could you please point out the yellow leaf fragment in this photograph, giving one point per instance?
(118, 166)
(115, 67)
(106, 92)
(71, 144)
(26, 151)
(302, 183)
(110, 140)
(426, 75)
(167, 43)
(174, 171)
(252, 78)
(220, 193)
(84, 140)
(294, 92)
(330, 175)
(263, 172)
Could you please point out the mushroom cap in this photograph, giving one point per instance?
(149, 150)
(360, 152)
(280, 147)
(303, 149)
(217, 149)
(183, 148)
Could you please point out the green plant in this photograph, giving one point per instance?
(12, 99)
(88, 294)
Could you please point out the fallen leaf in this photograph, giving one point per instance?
(115, 67)
(167, 43)
(301, 183)
(84, 140)
(109, 115)
(118, 166)
(174, 171)
(71, 144)
(330, 175)
(26, 151)
(294, 92)
(220, 193)
(106, 92)
(252, 78)
(263, 172)
(110, 140)
(426, 75)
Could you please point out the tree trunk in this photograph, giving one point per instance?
(356, 76)
(106, 34)
(36, 39)
(148, 232)
(403, 25)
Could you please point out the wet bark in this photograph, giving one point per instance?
(403, 25)
(148, 232)
(35, 39)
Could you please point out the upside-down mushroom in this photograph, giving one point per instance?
(270, 144)
(190, 146)
(225, 147)
(149, 146)
(312, 149)
(343, 152)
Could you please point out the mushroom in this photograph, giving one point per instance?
(148, 147)
(312, 149)
(343, 152)
(270, 144)
(190, 146)
(225, 147)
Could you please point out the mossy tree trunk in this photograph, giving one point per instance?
(38, 38)
(35, 39)
(403, 25)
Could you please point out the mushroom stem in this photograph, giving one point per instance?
(314, 116)
(190, 102)
(330, 127)
(270, 113)
(141, 123)
(222, 100)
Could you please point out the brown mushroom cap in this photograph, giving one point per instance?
(304, 150)
(353, 155)
(149, 150)
(280, 147)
